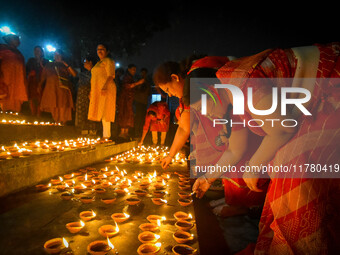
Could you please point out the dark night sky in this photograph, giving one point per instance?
(219, 29)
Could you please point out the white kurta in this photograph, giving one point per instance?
(102, 107)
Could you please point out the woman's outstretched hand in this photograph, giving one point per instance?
(200, 186)
(166, 162)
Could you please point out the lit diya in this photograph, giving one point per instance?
(75, 227)
(182, 215)
(140, 193)
(86, 200)
(66, 196)
(184, 187)
(148, 237)
(108, 200)
(132, 201)
(148, 227)
(55, 245)
(159, 201)
(100, 190)
(155, 218)
(184, 194)
(184, 225)
(149, 248)
(100, 247)
(182, 249)
(159, 193)
(87, 215)
(182, 236)
(108, 230)
(120, 217)
(42, 187)
(184, 201)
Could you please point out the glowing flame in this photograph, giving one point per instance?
(65, 242)
(93, 213)
(190, 216)
(127, 215)
(110, 244)
(159, 222)
(117, 228)
(82, 224)
(158, 244)
(157, 236)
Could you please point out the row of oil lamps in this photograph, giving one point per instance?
(24, 122)
(147, 155)
(29, 148)
(89, 180)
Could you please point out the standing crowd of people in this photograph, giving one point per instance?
(115, 98)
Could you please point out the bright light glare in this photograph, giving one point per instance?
(117, 64)
(50, 48)
(6, 30)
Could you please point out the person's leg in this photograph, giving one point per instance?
(106, 129)
(163, 136)
(154, 137)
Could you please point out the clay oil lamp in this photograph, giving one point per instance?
(80, 188)
(182, 236)
(75, 227)
(61, 187)
(86, 199)
(184, 225)
(184, 194)
(121, 191)
(41, 187)
(159, 193)
(184, 187)
(155, 218)
(108, 230)
(108, 200)
(87, 215)
(100, 247)
(66, 196)
(144, 186)
(184, 201)
(148, 227)
(120, 217)
(149, 248)
(159, 201)
(5, 155)
(100, 190)
(132, 200)
(55, 245)
(26, 152)
(148, 237)
(55, 181)
(182, 249)
(140, 193)
(182, 215)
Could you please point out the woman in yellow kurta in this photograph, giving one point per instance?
(103, 91)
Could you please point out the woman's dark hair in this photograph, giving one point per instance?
(162, 73)
(105, 46)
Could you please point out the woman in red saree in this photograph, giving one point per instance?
(300, 215)
(238, 197)
(157, 119)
